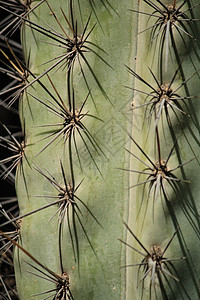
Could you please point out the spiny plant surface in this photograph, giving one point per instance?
(107, 174)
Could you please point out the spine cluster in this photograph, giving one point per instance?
(69, 164)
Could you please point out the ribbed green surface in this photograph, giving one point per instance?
(108, 195)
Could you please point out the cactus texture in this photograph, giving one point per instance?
(107, 171)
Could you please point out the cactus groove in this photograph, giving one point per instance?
(107, 171)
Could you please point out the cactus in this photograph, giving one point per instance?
(107, 172)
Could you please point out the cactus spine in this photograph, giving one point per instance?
(110, 115)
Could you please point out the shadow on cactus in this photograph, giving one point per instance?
(170, 18)
(164, 100)
(162, 97)
(158, 267)
(159, 178)
(157, 173)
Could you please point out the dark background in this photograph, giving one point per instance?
(10, 119)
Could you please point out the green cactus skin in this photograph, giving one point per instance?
(128, 138)
(173, 212)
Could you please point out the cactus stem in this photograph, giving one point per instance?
(169, 16)
(158, 170)
(159, 178)
(154, 262)
(62, 290)
(66, 180)
(106, 4)
(170, 20)
(71, 125)
(67, 200)
(163, 96)
(75, 46)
